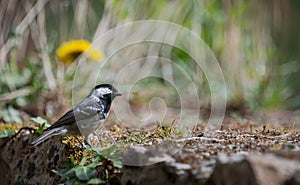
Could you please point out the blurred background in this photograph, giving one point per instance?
(255, 42)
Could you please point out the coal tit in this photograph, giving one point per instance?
(85, 117)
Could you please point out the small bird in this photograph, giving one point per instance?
(85, 117)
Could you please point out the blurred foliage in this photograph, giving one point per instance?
(10, 115)
(30, 72)
(14, 77)
(91, 169)
(42, 124)
(287, 40)
(259, 58)
(255, 42)
(82, 173)
(6, 133)
(19, 182)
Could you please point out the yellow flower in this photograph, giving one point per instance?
(68, 52)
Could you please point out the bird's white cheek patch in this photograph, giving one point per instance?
(104, 91)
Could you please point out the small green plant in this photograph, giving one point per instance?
(10, 115)
(42, 124)
(167, 131)
(92, 169)
(6, 133)
(113, 153)
(19, 182)
(83, 173)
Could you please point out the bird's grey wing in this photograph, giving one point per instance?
(84, 110)
(67, 119)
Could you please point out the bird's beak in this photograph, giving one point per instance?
(118, 94)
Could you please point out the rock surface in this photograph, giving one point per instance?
(265, 169)
(31, 164)
(233, 156)
(234, 169)
(161, 168)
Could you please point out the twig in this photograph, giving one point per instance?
(44, 48)
(15, 135)
(104, 24)
(30, 16)
(12, 95)
(201, 139)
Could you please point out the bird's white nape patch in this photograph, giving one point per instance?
(104, 90)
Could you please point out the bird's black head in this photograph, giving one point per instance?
(105, 90)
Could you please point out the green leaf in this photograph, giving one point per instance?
(11, 115)
(85, 173)
(70, 172)
(19, 182)
(40, 121)
(43, 124)
(40, 130)
(117, 164)
(97, 157)
(60, 172)
(96, 181)
(6, 133)
(72, 160)
(64, 173)
(107, 151)
(83, 161)
(94, 164)
(71, 181)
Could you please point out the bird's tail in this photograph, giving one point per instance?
(46, 135)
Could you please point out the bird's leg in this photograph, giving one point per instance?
(87, 141)
(83, 145)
